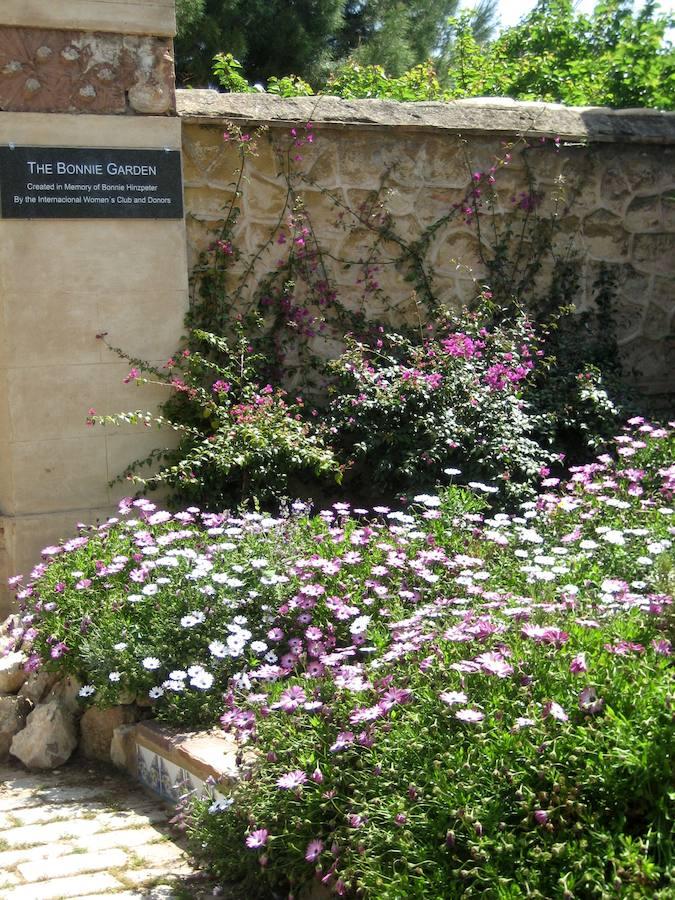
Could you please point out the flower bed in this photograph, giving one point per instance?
(447, 701)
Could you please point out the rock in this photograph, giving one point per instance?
(13, 712)
(67, 691)
(150, 99)
(97, 727)
(10, 623)
(12, 673)
(123, 748)
(49, 738)
(37, 685)
(6, 629)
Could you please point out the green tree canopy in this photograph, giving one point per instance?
(304, 37)
(400, 34)
(614, 57)
(270, 37)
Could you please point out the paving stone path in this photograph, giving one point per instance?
(89, 833)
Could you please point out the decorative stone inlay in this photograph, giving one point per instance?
(72, 71)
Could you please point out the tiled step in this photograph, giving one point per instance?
(173, 763)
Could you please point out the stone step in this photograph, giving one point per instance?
(173, 763)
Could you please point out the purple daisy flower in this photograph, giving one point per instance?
(314, 850)
(257, 839)
(291, 780)
(469, 715)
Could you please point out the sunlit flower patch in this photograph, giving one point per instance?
(440, 704)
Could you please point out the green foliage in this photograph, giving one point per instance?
(473, 702)
(355, 81)
(274, 39)
(612, 58)
(270, 37)
(380, 408)
(288, 86)
(403, 408)
(560, 784)
(228, 71)
(399, 36)
(188, 14)
(240, 439)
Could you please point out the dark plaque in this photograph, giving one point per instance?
(54, 183)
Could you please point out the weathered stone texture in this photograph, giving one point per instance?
(12, 673)
(49, 738)
(97, 727)
(612, 186)
(13, 712)
(137, 16)
(37, 685)
(70, 71)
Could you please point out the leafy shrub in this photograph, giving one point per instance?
(263, 336)
(555, 54)
(228, 71)
(238, 437)
(457, 702)
(504, 732)
(404, 408)
(614, 57)
(354, 81)
(289, 86)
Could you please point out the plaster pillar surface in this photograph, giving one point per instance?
(105, 75)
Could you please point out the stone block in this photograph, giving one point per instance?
(67, 692)
(55, 475)
(85, 130)
(137, 16)
(123, 748)
(49, 738)
(13, 712)
(657, 324)
(603, 236)
(97, 727)
(54, 70)
(203, 754)
(12, 672)
(58, 888)
(37, 685)
(654, 253)
(76, 864)
(644, 214)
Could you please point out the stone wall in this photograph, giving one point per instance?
(618, 165)
(80, 74)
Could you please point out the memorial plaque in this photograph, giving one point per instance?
(54, 183)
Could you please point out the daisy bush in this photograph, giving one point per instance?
(499, 723)
(461, 698)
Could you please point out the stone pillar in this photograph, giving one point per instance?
(80, 74)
